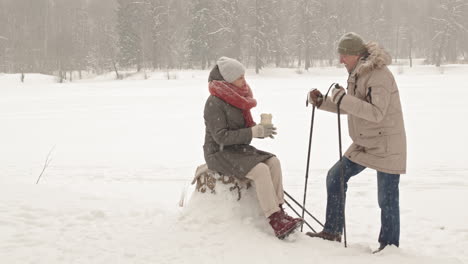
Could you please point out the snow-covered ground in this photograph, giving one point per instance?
(123, 151)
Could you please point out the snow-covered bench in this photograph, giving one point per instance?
(206, 181)
(223, 199)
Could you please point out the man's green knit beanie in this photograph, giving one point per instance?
(351, 44)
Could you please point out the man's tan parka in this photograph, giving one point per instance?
(375, 117)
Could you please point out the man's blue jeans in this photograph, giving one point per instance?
(388, 197)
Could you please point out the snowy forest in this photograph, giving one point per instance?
(59, 36)
(106, 114)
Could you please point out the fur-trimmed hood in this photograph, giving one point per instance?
(377, 58)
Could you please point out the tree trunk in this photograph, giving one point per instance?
(410, 48)
(237, 37)
(299, 56)
(117, 75)
(46, 34)
(203, 62)
(256, 40)
(396, 49)
(443, 40)
(307, 58)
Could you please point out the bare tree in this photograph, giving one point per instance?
(449, 23)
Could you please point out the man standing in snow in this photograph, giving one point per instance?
(375, 124)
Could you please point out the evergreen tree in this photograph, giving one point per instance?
(228, 32)
(200, 35)
(74, 35)
(129, 37)
(449, 27)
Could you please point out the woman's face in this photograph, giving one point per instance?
(240, 82)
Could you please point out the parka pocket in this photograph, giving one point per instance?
(396, 144)
(375, 145)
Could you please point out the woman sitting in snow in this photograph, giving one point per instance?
(229, 131)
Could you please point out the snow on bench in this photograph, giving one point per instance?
(206, 180)
(221, 197)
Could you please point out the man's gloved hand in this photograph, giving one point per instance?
(263, 131)
(337, 93)
(315, 97)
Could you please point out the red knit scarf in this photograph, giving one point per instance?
(241, 98)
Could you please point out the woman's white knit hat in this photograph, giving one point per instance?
(230, 69)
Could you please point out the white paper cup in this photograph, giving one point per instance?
(265, 119)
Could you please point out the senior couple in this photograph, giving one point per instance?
(375, 124)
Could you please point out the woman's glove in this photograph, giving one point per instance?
(263, 131)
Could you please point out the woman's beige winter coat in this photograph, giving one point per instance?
(375, 117)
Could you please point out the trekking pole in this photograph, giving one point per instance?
(289, 205)
(303, 208)
(342, 169)
(308, 161)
